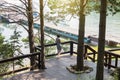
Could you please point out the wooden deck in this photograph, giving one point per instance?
(56, 70)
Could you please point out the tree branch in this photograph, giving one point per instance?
(85, 2)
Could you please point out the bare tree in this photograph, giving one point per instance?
(17, 14)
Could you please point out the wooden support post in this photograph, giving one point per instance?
(71, 48)
(118, 72)
(116, 62)
(106, 60)
(109, 62)
(94, 56)
(35, 49)
(39, 62)
(85, 52)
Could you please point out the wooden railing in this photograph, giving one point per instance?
(111, 59)
(17, 58)
(70, 51)
(89, 53)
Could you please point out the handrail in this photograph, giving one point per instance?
(17, 58)
(71, 49)
(107, 57)
(47, 45)
(111, 53)
(54, 44)
(15, 71)
(26, 56)
(91, 49)
(93, 53)
(114, 49)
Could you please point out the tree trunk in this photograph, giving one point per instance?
(80, 48)
(30, 31)
(101, 43)
(42, 35)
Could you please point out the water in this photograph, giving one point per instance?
(8, 29)
(92, 26)
(92, 23)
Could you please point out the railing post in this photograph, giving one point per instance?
(118, 72)
(39, 61)
(85, 52)
(31, 64)
(71, 48)
(109, 62)
(106, 59)
(94, 56)
(35, 49)
(116, 62)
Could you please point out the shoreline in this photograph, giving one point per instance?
(109, 41)
(94, 38)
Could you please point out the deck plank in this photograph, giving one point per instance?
(56, 70)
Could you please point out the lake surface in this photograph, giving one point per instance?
(92, 26)
(8, 29)
(92, 23)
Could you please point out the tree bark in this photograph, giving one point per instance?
(101, 43)
(80, 48)
(30, 31)
(42, 34)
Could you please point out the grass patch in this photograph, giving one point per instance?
(108, 48)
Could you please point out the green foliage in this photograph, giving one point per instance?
(15, 42)
(36, 40)
(114, 6)
(115, 77)
(116, 74)
(5, 52)
(9, 49)
(67, 46)
(60, 9)
(5, 48)
(15, 36)
(48, 40)
(25, 40)
(1, 39)
(4, 67)
(49, 50)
